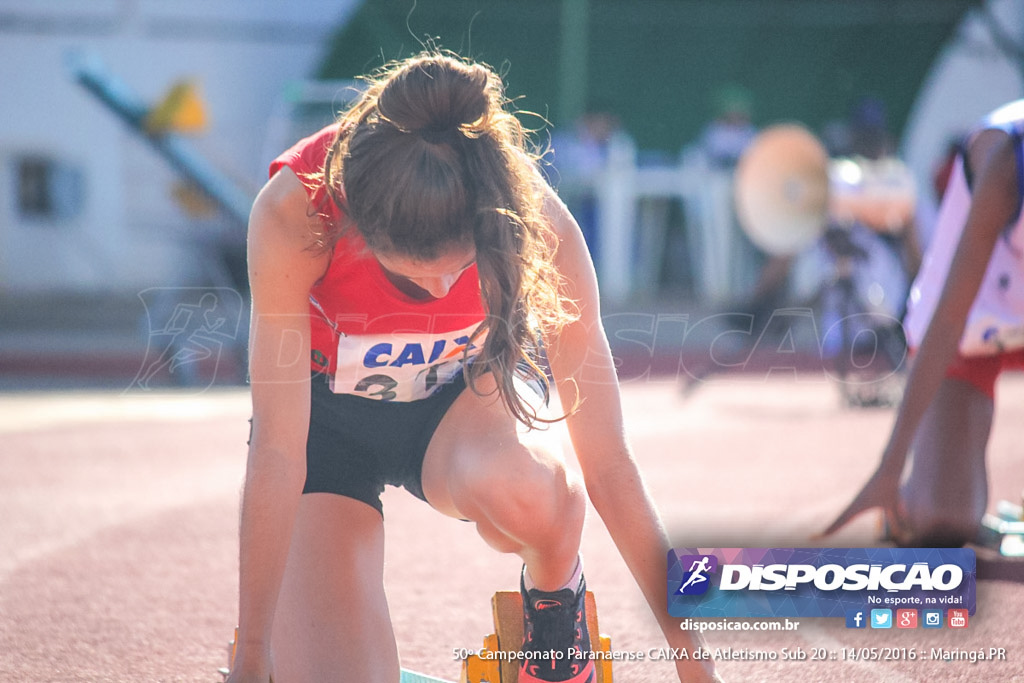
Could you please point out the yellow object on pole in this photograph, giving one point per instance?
(181, 111)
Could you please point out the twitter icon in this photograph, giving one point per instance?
(881, 618)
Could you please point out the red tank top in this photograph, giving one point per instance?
(368, 336)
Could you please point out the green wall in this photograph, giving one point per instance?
(657, 64)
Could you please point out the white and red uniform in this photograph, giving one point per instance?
(369, 337)
(995, 323)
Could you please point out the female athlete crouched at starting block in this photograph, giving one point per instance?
(414, 253)
(966, 320)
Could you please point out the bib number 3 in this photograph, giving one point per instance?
(384, 385)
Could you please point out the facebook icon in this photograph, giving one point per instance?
(856, 619)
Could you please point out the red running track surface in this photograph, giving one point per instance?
(118, 519)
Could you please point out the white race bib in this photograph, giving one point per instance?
(995, 323)
(401, 366)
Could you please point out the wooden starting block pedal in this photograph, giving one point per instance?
(1004, 530)
(507, 608)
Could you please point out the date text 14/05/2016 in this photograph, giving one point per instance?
(972, 655)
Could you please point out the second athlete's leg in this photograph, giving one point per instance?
(945, 493)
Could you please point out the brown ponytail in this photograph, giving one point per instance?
(429, 159)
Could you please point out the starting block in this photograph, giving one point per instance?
(507, 608)
(1003, 530)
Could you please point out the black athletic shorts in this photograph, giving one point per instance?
(357, 445)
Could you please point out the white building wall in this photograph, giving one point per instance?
(129, 233)
(971, 77)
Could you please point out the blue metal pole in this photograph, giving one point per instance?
(175, 149)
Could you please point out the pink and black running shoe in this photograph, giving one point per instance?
(556, 642)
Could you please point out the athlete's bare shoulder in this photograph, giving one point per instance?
(283, 208)
(991, 153)
(283, 233)
(993, 160)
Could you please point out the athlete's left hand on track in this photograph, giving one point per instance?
(240, 673)
(881, 490)
(690, 671)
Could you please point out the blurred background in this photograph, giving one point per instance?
(135, 134)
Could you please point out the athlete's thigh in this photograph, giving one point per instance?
(478, 439)
(332, 621)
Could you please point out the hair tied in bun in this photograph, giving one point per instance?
(439, 136)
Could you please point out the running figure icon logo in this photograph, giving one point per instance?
(195, 336)
(696, 580)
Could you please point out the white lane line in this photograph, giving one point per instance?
(117, 509)
(34, 411)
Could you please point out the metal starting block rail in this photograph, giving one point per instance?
(413, 677)
(1004, 530)
(407, 676)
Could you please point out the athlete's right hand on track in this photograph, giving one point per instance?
(688, 672)
(243, 678)
(881, 490)
(245, 670)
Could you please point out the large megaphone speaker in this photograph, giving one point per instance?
(781, 189)
(787, 190)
